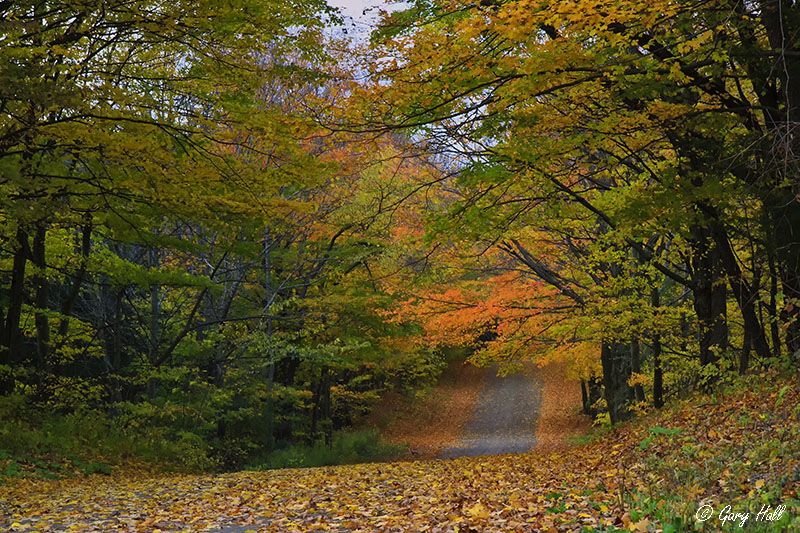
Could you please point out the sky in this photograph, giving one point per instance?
(354, 9)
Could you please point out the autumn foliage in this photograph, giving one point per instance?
(226, 232)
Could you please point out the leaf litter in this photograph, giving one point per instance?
(740, 448)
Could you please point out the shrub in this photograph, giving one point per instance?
(346, 448)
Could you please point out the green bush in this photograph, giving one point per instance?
(86, 440)
(346, 448)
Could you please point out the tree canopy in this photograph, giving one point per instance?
(226, 226)
(620, 153)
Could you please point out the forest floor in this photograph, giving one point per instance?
(691, 466)
(429, 424)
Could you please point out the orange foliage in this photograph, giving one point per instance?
(508, 317)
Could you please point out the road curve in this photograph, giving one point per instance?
(504, 419)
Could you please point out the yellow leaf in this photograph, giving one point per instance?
(478, 511)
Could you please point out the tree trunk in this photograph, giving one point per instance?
(41, 320)
(743, 294)
(781, 203)
(591, 391)
(658, 376)
(615, 359)
(116, 356)
(326, 407)
(774, 316)
(80, 276)
(315, 408)
(636, 367)
(10, 350)
(744, 357)
(155, 318)
(584, 397)
(784, 215)
(268, 300)
(710, 302)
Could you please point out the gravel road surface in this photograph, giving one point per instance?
(504, 420)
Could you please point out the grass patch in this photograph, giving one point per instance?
(595, 434)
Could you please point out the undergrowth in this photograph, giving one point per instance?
(724, 462)
(346, 448)
(58, 446)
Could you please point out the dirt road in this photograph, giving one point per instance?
(504, 419)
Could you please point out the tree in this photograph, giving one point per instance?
(92, 86)
(647, 125)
